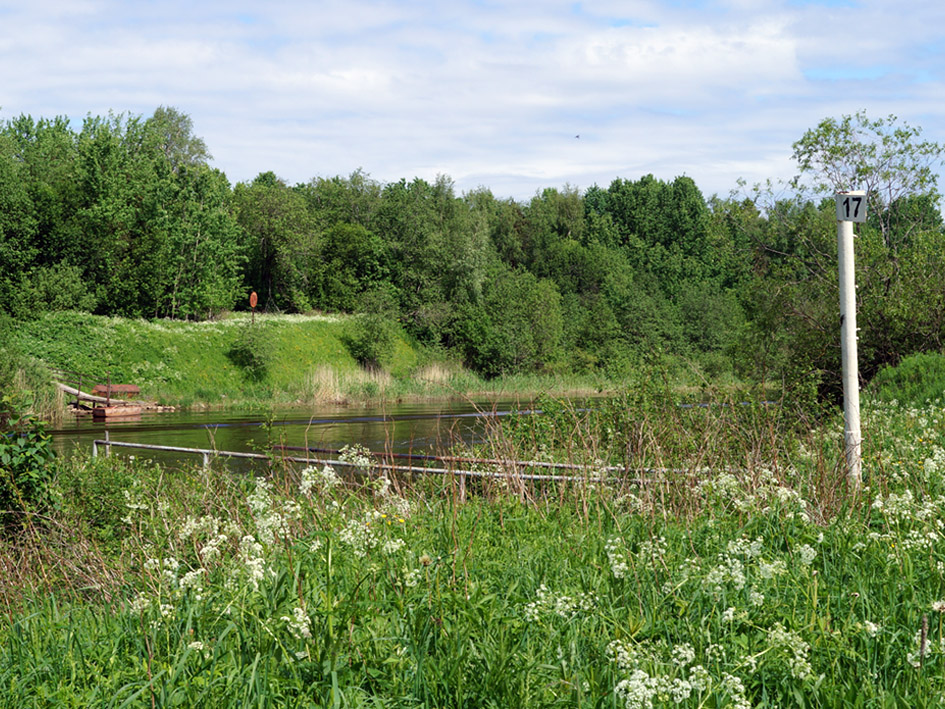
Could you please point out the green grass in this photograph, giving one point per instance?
(750, 576)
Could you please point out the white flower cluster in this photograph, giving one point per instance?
(300, 625)
(617, 557)
(270, 522)
(934, 464)
(398, 505)
(758, 492)
(683, 655)
(745, 547)
(254, 568)
(392, 546)
(807, 554)
(412, 577)
(640, 689)
(356, 455)
(209, 535)
(323, 480)
(547, 603)
(134, 503)
(359, 535)
(381, 486)
(622, 654)
(770, 569)
(795, 647)
(651, 552)
(736, 691)
(730, 570)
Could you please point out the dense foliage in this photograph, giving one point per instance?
(124, 217)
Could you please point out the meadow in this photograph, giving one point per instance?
(726, 562)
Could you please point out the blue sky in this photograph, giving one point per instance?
(489, 93)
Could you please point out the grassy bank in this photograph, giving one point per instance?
(284, 360)
(739, 570)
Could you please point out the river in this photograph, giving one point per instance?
(414, 427)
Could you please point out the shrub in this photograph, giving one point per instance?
(252, 351)
(370, 340)
(916, 380)
(27, 461)
(371, 336)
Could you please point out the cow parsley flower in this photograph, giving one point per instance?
(300, 625)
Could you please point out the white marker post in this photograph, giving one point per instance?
(851, 207)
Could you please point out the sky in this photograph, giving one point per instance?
(512, 96)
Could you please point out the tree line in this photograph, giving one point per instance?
(125, 216)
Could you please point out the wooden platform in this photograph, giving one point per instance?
(111, 412)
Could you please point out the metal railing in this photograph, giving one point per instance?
(514, 466)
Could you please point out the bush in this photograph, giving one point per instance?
(27, 462)
(370, 340)
(371, 337)
(916, 380)
(253, 352)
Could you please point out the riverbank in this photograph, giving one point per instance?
(244, 362)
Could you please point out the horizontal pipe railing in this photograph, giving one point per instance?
(462, 459)
(208, 453)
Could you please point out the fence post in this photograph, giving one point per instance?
(108, 448)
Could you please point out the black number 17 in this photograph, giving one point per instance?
(856, 208)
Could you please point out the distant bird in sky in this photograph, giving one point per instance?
(578, 135)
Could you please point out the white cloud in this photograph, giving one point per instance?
(491, 93)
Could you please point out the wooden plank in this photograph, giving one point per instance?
(101, 412)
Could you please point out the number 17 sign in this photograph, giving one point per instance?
(851, 206)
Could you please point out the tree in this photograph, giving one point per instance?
(174, 132)
(282, 244)
(18, 247)
(205, 251)
(886, 158)
(515, 327)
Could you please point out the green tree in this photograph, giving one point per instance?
(173, 131)
(516, 326)
(282, 243)
(205, 250)
(885, 157)
(18, 228)
(353, 261)
(127, 189)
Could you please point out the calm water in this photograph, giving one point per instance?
(419, 428)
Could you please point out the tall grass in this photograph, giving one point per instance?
(725, 563)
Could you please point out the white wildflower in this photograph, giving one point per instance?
(392, 546)
(140, 603)
(807, 554)
(300, 625)
(683, 655)
(622, 654)
(323, 480)
(699, 678)
(616, 556)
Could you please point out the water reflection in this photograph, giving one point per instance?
(419, 428)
